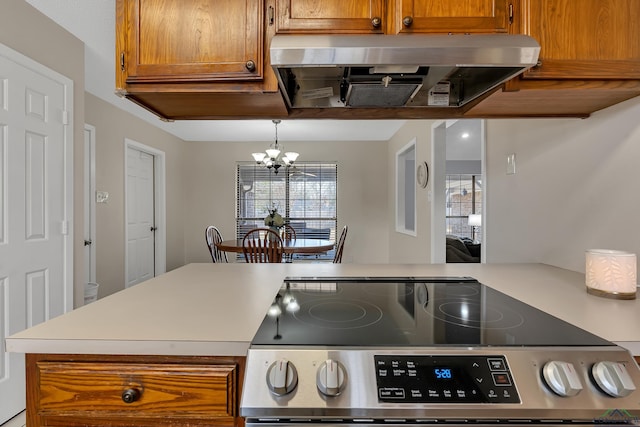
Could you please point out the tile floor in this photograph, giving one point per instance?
(17, 421)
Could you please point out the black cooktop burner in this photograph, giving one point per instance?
(379, 312)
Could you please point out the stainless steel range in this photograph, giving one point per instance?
(396, 351)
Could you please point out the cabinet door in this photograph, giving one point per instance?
(445, 16)
(329, 16)
(584, 39)
(193, 40)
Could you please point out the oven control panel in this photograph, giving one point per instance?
(444, 379)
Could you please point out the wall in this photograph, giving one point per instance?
(403, 248)
(362, 193)
(575, 187)
(27, 31)
(112, 127)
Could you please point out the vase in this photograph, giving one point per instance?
(276, 229)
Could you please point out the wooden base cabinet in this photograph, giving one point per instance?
(107, 390)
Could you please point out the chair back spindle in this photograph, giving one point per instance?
(337, 258)
(262, 245)
(213, 236)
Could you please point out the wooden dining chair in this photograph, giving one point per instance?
(262, 245)
(213, 236)
(337, 257)
(289, 235)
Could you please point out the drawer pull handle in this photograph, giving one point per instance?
(130, 395)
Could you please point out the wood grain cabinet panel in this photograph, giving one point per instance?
(466, 16)
(589, 59)
(584, 39)
(197, 59)
(329, 16)
(392, 16)
(118, 390)
(194, 40)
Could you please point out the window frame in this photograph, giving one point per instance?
(406, 203)
(320, 226)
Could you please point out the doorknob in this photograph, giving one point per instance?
(154, 228)
(88, 242)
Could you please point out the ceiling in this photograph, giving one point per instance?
(93, 22)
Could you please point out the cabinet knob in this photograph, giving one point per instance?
(130, 395)
(250, 65)
(407, 21)
(376, 22)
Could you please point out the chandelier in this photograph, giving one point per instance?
(271, 158)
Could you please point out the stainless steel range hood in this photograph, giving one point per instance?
(380, 71)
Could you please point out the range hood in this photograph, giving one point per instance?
(381, 71)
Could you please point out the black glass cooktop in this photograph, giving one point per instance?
(409, 312)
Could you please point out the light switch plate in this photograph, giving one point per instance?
(511, 164)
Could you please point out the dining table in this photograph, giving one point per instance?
(293, 246)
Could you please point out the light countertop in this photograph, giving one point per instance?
(215, 309)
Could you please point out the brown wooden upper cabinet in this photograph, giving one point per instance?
(197, 59)
(392, 16)
(583, 39)
(589, 59)
(192, 40)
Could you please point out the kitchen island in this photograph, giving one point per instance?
(170, 351)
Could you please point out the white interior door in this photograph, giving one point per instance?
(141, 225)
(35, 208)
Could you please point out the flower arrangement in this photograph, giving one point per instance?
(274, 219)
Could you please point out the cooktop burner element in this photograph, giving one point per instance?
(390, 351)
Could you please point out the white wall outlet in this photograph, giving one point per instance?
(102, 196)
(511, 164)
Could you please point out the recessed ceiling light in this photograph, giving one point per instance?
(465, 135)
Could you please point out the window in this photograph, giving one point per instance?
(463, 198)
(406, 189)
(305, 195)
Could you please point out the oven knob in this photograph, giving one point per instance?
(613, 378)
(331, 378)
(282, 377)
(562, 378)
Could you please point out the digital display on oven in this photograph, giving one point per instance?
(444, 379)
(443, 373)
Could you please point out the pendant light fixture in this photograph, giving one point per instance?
(271, 158)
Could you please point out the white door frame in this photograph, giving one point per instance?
(159, 208)
(438, 186)
(439, 177)
(90, 197)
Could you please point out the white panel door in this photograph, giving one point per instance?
(140, 216)
(35, 209)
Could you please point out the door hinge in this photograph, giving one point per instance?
(64, 228)
(121, 61)
(65, 117)
(510, 13)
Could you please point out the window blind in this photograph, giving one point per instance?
(305, 196)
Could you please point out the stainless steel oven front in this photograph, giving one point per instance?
(405, 351)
